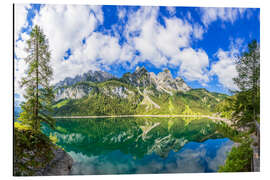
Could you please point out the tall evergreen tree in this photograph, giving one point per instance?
(39, 93)
(247, 105)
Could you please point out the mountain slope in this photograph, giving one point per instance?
(140, 92)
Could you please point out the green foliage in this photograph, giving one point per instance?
(38, 93)
(32, 150)
(99, 102)
(225, 108)
(187, 111)
(60, 103)
(247, 104)
(196, 130)
(53, 138)
(228, 131)
(244, 107)
(21, 126)
(239, 159)
(248, 68)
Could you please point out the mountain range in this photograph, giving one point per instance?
(140, 92)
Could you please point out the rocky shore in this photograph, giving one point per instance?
(36, 155)
(60, 165)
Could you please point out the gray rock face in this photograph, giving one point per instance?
(76, 92)
(60, 165)
(166, 81)
(163, 81)
(140, 77)
(119, 91)
(93, 76)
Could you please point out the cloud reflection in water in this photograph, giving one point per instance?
(192, 158)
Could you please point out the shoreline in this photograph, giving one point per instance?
(113, 116)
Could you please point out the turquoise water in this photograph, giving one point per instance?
(141, 145)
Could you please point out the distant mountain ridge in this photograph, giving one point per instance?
(140, 92)
(93, 76)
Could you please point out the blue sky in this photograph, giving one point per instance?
(198, 44)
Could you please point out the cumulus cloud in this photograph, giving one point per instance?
(193, 64)
(225, 69)
(66, 26)
(99, 50)
(122, 12)
(20, 65)
(74, 28)
(161, 45)
(21, 11)
(210, 15)
(198, 31)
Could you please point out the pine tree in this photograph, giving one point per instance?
(38, 91)
(247, 105)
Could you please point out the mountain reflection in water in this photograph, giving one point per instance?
(142, 145)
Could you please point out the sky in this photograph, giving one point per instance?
(198, 44)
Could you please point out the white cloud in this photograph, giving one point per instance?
(225, 69)
(211, 14)
(193, 64)
(20, 69)
(20, 46)
(20, 66)
(161, 46)
(198, 31)
(20, 18)
(98, 47)
(121, 12)
(171, 10)
(66, 26)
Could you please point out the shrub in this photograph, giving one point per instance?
(239, 159)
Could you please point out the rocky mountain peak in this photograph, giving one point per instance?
(93, 76)
(162, 82)
(140, 70)
(165, 75)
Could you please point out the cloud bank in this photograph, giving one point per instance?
(79, 41)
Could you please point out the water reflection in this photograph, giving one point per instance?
(142, 145)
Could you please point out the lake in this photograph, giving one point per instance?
(141, 145)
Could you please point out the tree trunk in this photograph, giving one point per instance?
(36, 109)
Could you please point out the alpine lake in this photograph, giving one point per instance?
(141, 145)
